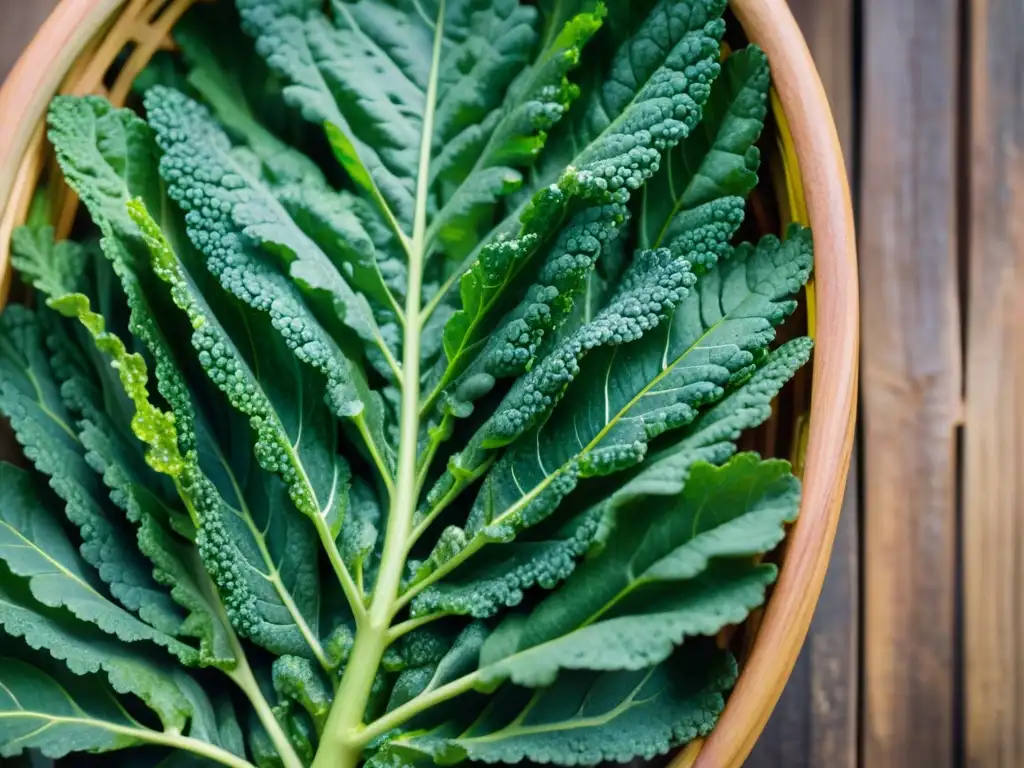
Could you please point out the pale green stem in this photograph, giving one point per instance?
(201, 748)
(378, 460)
(392, 363)
(342, 741)
(244, 679)
(474, 546)
(439, 296)
(410, 625)
(446, 500)
(421, 703)
(353, 592)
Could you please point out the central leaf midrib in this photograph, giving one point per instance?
(373, 632)
(516, 215)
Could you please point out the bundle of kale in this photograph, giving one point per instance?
(384, 411)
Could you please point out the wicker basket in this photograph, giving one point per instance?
(76, 50)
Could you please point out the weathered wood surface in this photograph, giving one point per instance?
(993, 500)
(19, 20)
(911, 379)
(928, 97)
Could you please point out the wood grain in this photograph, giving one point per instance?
(912, 379)
(815, 723)
(21, 19)
(993, 501)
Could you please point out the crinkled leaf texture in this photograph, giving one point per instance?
(386, 410)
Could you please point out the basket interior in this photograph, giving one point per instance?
(112, 61)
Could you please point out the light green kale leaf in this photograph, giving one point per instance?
(624, 395)
(670, 570)
(86, 650)
(35, 547)
(719, 160)
(222, 210)
(484, 585)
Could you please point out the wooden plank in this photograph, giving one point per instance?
(21, 19)
(815, 723)
(993, 526)
(911, 379)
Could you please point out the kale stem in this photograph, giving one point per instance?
(243, 677)
(475, 545)
(353, 592)
(443, 291)
(343, 738)
(398, 630)
(421, 703)
(442, 504)
(184, 744)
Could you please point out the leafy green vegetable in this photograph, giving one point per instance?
(397, 379)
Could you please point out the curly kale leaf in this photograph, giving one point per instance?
(104, 442)
(399, 378)
(617, 157)
(230, 218)
(296, 436)
(587, 718)
(193, 145)
(672, 569)
(35, 547)
(627, 393)
(86, 650)
(719, 160)
(45, 708)
(30, 398)
(249, 538)
(647, 43)
(386, 80)
(485, 585)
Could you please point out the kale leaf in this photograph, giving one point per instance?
(397, 379)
